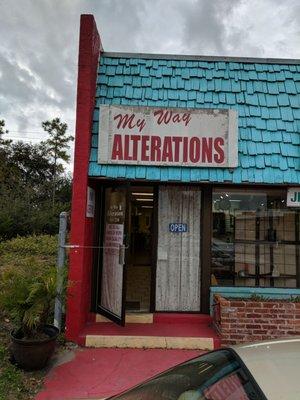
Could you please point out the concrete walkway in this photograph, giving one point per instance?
(99, 373)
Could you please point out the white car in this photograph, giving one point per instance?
(260, 371)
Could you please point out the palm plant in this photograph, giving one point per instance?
(27, 295)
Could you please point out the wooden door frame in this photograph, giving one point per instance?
(98, 239)
(205, 249)
(154, 250)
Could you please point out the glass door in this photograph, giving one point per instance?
(111, 301)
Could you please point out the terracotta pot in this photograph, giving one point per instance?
(33, 354)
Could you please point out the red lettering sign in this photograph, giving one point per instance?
(167, 116)
(126, 121)
(219, 148)
(117, 151)
(155, 148)
(160, 136)
(168, 149)
(145, 148)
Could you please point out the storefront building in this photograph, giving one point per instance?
(186, 177)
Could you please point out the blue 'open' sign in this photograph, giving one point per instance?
(178, 227)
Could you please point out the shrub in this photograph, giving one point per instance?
(27, 295)
(21, 251)
(28, 280)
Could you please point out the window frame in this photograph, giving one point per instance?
(281, 190)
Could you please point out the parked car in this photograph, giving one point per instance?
(222, 259)
(261, 371)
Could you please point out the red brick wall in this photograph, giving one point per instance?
(240, 321)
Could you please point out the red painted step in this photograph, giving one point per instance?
(165, 325)
(156, 329)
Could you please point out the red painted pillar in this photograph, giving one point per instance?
(78, 300)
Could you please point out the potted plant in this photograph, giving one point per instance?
(27, 295)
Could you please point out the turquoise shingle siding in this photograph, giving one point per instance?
(266, 96)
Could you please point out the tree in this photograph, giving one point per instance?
(57, 147)
(32, 162)
(26, 177)
(2, 129)
(4, 151)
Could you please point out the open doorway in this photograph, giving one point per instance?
(139, 268)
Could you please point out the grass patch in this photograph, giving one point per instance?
(15, 384)
(20, 251)
(41, 251)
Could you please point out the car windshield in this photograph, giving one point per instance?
(218, 375)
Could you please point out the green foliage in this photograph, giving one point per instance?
(43, 245)
(28, 280)
(57, 146)
(39, 250)
(27, 295)
(30, 259)
(2, 130)
(4, 150)
(28, 205)
(258, 297)
(10, 378)
(14, 383)
(31, 161)
(261, 298)
(58, 142)
(295, 299)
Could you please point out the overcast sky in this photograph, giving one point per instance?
(39, 44)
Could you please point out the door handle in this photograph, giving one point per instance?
(121, 254)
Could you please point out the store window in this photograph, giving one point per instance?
(255, 239)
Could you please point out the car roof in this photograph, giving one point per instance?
(275, 365)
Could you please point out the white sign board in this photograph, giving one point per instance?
(90, 203)
(293, 197)
(168, 136)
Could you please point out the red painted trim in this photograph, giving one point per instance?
(78, 300)
(217, 343)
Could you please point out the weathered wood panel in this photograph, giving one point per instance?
(178, 254)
